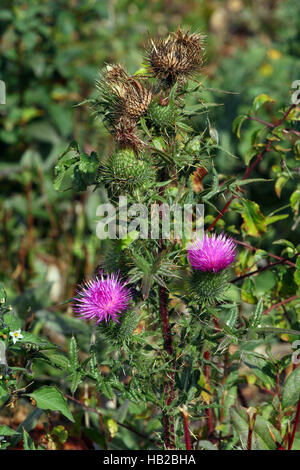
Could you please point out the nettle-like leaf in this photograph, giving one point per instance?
(75, 169)
(50, 398)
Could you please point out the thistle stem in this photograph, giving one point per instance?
(168, 421)
(187, 436)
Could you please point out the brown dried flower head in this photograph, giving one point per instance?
(176, 58)
(122, 95)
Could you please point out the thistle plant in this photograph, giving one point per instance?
(165, 306)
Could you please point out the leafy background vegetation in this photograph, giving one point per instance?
(51, 53)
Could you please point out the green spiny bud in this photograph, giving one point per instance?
(119, 333)
(206, 286)
(162, 116)
(124, 171)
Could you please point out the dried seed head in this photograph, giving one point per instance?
(123, 99)
(125, 133)
(176, 58)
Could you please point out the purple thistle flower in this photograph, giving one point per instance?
(102, 298)
(213, 253)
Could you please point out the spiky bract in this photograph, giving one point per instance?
(162, 116)
(119, 333)
(207, 287)
(124, 171)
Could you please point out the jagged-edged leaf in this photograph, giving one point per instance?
(73, 354)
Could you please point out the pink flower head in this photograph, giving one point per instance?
(212, 254)
(102, 298)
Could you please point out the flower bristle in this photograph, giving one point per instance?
(176, 58)
(212, 254)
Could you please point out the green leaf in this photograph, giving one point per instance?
(12, 321)
(88, 164)
(27, 441)
(6, 431)
(291, 389)
(50, 398)
(297, 272)
(73, 354)
(75, 379)
(262, 99)
(295, 201)
(29, 423)
(256, 319)
(237, 124)
(254, 221)
(261, 437)
(247, 293)
(233, 316)
(274, 218)
(260, 367)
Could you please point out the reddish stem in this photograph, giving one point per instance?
(283, 302)
(187, 436)
(295, 426)
(251, 428)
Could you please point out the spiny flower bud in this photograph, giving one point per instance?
(176, 58)
(162, 114)
(207, 286)
(118, 333)
(124, 171)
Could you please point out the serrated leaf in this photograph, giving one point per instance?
(256, 319)
(75, 379)
(73, 354)
(50, 398)
(233, 316)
